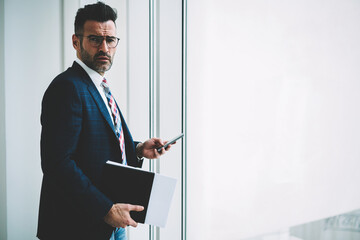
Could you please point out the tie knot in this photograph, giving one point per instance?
(104, 84)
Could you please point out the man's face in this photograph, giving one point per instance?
(97, 58)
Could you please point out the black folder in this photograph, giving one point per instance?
(124, 184)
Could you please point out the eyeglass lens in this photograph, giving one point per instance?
(96, 41)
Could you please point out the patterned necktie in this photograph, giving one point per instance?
(117, 121)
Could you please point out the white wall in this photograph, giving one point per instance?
(3, 225)
(32, 50)
(170, 104)
(138, 83)
(273, 133)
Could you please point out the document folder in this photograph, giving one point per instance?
(125, 184)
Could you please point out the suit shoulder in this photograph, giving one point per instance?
(73, 78)
(68, 83)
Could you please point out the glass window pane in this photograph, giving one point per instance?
(273, 129)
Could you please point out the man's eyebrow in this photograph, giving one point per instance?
(92, 35)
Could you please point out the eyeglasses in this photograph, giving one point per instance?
(96, 41)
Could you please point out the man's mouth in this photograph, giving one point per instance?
(103, 59)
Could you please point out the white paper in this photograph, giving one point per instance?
(160, 200)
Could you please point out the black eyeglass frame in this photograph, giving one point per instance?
(99, 40)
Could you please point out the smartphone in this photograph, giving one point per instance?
(171, 142)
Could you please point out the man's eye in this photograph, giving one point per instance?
(110, 40)
(95, 39)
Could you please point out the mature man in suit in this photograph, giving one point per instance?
(82, 128)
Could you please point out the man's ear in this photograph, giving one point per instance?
(76, 42)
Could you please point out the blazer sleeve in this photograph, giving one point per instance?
(61, 120)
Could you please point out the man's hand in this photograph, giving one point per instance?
(119, 215)
(149, 148)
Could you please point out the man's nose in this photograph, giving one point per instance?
(103, 46)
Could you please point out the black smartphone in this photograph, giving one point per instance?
(171, 141)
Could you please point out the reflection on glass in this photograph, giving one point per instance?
(341, 227)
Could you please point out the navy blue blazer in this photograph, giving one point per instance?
(77, 138)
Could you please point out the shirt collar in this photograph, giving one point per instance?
(95, 76)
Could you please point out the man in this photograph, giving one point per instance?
(82, 128)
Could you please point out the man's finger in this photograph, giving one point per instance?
(132, 223)
(136, 208)
(160, 152)
(158, 142)
(169, 146)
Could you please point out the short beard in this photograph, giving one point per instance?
(91, 61)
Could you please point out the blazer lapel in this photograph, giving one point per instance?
(95, 94)
(129, 143)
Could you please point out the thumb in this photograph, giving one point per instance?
(132, 223)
